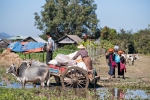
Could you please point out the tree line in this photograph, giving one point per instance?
(138, 42)
(61, 17)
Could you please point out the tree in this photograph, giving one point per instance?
(142, 41)
(108, 33)
(126, 41)
(62, 17)
(97, 34)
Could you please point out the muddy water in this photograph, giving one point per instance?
(99, 92)
(119, 93)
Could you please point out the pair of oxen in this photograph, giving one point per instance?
(31, 71)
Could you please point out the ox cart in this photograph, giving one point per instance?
(73, 76)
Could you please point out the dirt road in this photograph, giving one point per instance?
(139, 72)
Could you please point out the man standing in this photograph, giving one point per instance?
(50, 48)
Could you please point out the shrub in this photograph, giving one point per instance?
(1, 50)
(71, 47)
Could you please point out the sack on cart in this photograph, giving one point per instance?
(64, 60)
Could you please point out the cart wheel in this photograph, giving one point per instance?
(75, 77)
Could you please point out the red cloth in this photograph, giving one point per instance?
(122, 67)
(113, 63)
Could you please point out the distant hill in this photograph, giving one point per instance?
(4, 35)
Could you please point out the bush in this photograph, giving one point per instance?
(1, 50)
(67, 49)
(71, 47)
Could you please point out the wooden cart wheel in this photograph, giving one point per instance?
(75, 77)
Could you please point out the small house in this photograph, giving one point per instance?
(34, 39)
(27, 39)
(69, 40)
(4, 43)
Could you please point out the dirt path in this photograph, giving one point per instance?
(139, 72)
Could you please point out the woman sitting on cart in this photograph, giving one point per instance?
(84, 54)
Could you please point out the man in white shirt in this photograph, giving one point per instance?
(50, 48)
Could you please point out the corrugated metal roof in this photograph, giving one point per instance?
(72, 37)
(75, 38)
(36, 39)
(6, 41)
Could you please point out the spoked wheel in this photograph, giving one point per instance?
(75, 77)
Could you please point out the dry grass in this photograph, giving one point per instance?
(8, 58)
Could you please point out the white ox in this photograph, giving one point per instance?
(34, 74)
(131, 57)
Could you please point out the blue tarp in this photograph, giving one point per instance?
(18, 47)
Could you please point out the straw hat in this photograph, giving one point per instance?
(111, 50)
(81, 47)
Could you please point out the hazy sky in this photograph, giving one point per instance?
(17, 16)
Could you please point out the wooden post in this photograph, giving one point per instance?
(25, 56)
(43, 56)
(39, 55)
(29, 56)
(90, 51)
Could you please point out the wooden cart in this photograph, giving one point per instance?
(74, 76)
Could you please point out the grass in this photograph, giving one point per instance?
(59, 94)
(39, 94)
(39, 56)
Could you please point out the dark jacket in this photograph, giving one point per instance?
(108, 57)
(82, 52)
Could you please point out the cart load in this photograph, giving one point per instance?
(66, 60)
(71, 73)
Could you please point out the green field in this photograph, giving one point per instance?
(42, 55)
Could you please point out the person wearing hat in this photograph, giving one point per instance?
(121, 68)
(84, 55)
(110, 59)
(116, 48)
